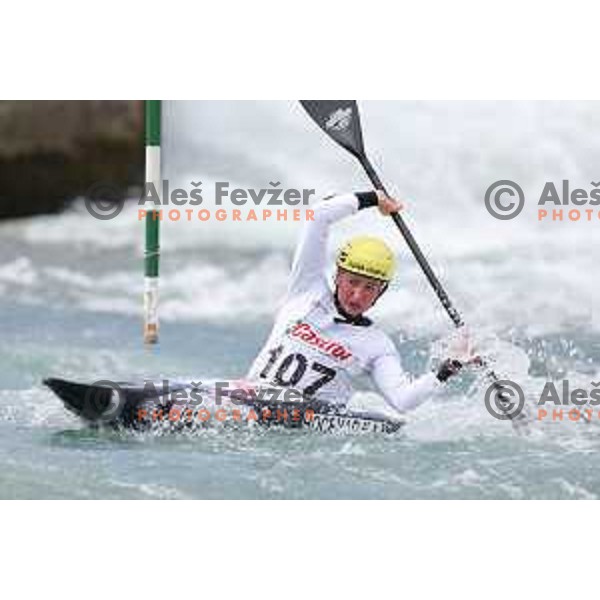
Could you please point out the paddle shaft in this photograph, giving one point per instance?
(414, 247)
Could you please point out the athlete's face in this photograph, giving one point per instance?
(357, 293)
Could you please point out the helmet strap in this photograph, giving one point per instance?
(384, 288)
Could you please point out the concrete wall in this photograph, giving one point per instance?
(53, 151)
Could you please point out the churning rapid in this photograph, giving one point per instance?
(71, 288)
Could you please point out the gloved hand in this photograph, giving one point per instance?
(450, 367)
(461, 354)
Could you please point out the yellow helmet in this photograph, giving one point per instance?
(367, 256)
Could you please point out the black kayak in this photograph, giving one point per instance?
(182, 406)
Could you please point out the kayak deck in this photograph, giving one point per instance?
(146, 407)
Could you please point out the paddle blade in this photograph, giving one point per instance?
(340, 120)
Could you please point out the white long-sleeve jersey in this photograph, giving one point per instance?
(311, 351)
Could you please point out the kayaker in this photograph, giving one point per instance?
(322, 340)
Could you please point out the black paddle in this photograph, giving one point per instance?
(340, 120)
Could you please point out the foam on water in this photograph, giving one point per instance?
(542, 283)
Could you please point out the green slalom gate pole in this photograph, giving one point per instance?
(152, 253)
